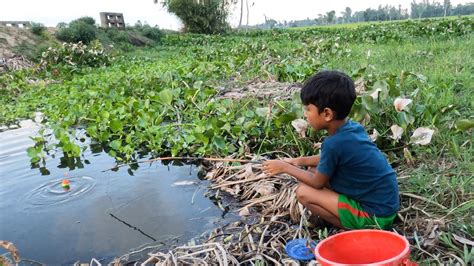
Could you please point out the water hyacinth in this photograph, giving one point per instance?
(401, 103)
(300, 125)
(397, 132)
(422, 136)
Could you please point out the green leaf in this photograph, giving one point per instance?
(236, 129)
(175, 150)
(112, 153)
(402, 119)
(358, 112)
(464, 124)
(368, 103)
(219, 142)
(166, 96)
(143, 121)
(201, 137)
(105, 115)
(32, 152)
(116, 144)
(60, 134)
(92, 130)
(189, 138)
(249, 114)
(115, 125)
(128, 138)
(75, 150)
(285, 118)
(409, 118)
(226, 127)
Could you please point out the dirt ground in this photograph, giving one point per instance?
(11, 37)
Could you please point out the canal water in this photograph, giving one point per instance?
(103, 214)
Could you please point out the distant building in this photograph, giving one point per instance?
(16, 24)
(112, 20)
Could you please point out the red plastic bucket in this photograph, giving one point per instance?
(364, 247)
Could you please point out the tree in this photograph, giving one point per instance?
(269, 22)
(418, 10)
(330, 16)
(241, 12)
(460, 9)
(79, 30)
(248, 13)
(447, 7)
(347, 14)
(201, 16)
(392, 13)
(358, 16)
(321, 18)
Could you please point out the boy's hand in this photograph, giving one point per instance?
(274, 167)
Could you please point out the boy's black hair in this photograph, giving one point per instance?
(330, 89)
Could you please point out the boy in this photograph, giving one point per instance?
(353, 186)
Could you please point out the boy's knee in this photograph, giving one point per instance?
(302, 193)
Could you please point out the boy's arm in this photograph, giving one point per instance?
(313, 179)
(304, 161)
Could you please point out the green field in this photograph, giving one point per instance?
(138, 101)
(367, 23)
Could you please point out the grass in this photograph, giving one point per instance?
(443, 173)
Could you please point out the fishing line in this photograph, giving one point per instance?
(198, 159)
(133, 227)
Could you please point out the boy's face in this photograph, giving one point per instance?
(317, 120)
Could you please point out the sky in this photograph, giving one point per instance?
(51, 12)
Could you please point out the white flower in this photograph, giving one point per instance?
(375, 94)
(300, 125)
(397, 132)
(401, 103)
(374, 135)
(422, 136)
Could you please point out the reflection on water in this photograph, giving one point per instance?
(104, 214)
(52, 192)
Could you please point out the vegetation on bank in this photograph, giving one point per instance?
(139, 101)
(82, 30)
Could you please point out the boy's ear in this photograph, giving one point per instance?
(328, 114)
